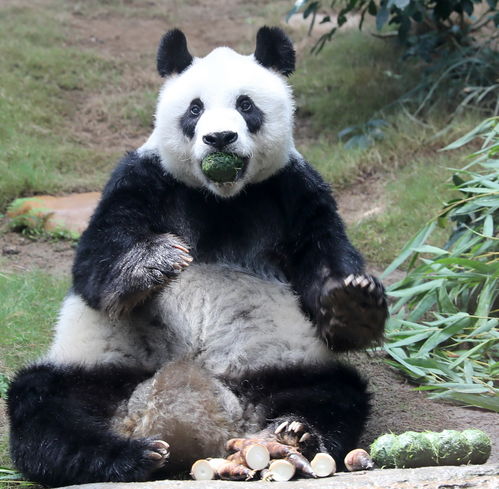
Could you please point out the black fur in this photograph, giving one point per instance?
(251, 113)
(60, 416)
(287, 223)
(173, 55)
(58, 421)
(330, 400)
(275, 50)
(190, 117)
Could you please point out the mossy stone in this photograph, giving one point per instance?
(381, 450)
(480, 446)
(222, 167)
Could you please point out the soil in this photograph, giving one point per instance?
(397, 407)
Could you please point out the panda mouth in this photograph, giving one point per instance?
(224, 169)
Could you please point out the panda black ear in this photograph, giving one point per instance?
(275, 50)
(173, 55)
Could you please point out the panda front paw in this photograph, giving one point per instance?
(353, 312)
(164, 258)
(139, 461)
(149, 265)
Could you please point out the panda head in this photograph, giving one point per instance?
(224, 102)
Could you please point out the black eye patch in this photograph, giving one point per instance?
(191, 116)
(253, 116)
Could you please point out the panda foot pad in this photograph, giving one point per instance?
(353, 312)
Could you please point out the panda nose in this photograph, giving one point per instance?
(220, 139)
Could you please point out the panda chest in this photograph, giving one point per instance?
(246, 235)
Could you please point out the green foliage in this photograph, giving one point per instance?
(460, 49)
(32, 225)
(449, 21)
(443, 330)
(13, 478)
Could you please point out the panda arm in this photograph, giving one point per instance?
(318, 248)
(130, 247)
(327, 272)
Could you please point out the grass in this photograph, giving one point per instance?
(417, 192)
(407, 158)
(351, 78)
(442, 332)
(41, 81)
(29, 307)
(30, 302)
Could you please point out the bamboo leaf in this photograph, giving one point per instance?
(440, 336)
(488, 226)
(406, 252)
(411, 291)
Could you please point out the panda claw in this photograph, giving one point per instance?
(281, 427)
(154, 455)
(348, 280)
(181, 248)
(364, 283)
(158, 452)
(305, 437)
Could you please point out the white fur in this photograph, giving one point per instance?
(212, 322)
(226, 320)
(218, 80)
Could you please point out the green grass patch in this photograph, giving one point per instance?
(28, 311)
(349, 80)
(418, 191)
(41, 81)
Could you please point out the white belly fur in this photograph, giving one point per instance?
(229, 321)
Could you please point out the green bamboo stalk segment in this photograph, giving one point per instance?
(222, 167)
(412, 449)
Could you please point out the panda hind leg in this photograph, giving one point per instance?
(59, 434)
(309, 410)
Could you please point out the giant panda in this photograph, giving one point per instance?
(202, 310)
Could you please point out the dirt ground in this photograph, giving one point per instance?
(397, 407)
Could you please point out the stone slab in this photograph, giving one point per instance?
(465, 477)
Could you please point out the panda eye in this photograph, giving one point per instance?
(195, 110)
(245, 105)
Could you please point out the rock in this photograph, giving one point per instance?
(10, 250)
(464, 476)
(66, 213)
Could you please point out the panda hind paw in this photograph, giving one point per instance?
(293, 433)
